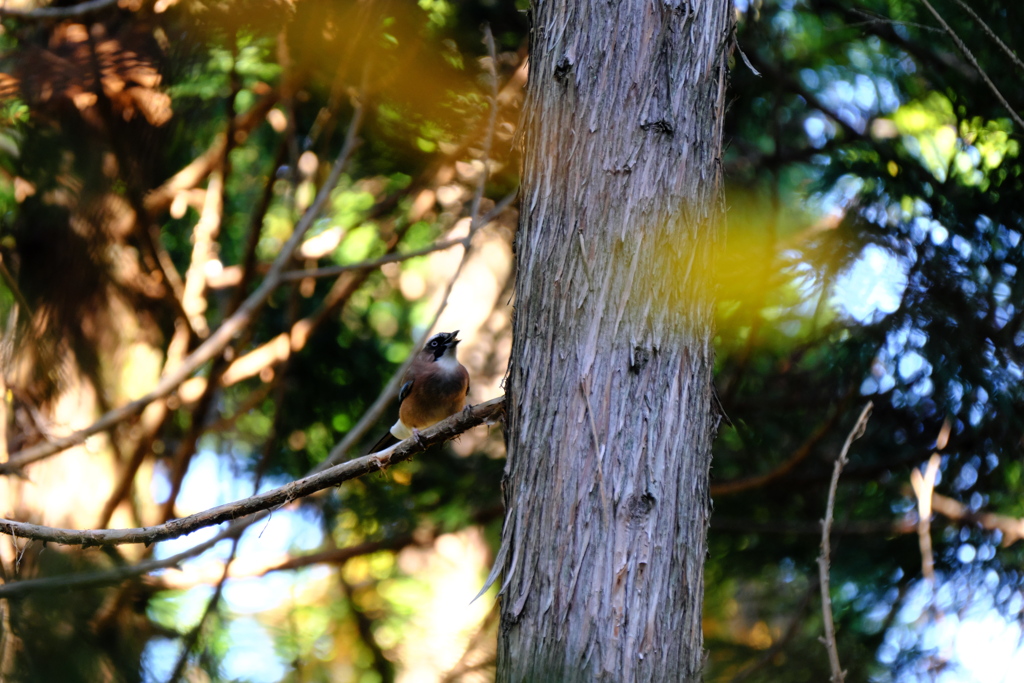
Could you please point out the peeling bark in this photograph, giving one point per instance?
(609, 417)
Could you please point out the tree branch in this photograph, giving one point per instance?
(17, 589)
(334, 271)
(159, 199)
(78, 11)
(726, 488)
(273, 499)
(992, 35)
(217, 341)
(838, 675)
(974, 62)
(1012, 528)
(924, 487)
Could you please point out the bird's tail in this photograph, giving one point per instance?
(387, 440)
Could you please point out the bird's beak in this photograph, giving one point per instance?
(453, 339)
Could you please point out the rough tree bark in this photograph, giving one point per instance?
(610, 417)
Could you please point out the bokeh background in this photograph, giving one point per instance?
(155, 157)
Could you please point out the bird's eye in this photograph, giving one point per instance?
(433, 343)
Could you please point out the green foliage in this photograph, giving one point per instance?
(908, 256)
(874, 252)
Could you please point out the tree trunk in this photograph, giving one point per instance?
(610, 414)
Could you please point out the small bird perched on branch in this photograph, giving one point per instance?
(434, 387)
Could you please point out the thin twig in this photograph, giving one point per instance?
(160, 198)
(733, 486)
(217, 341)
(974, 62)
(838, 675)
(12, 285)
(82, 9)
(193, 636)
(924, 488)
(333, 271)
(404, 450)
(421, 538)
(991, 34)
(492, 120)
(153, 418)
(15, 589)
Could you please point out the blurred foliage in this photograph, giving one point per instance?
(873, 182)
(874, 252)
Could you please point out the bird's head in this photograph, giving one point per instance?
(441, 344)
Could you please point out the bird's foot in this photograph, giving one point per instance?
(466, 410)
(381, 462)
(418, 438)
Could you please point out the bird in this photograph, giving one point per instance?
(434, 387)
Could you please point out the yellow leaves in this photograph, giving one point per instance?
(969, 149)
(991, 139)
(929, 130)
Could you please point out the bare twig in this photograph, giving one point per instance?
(12, 285)
(218, 340)
(204, 238)
(492, 119)
(159, 199)
(192, 637)
(153, 419)
(924, 487)
(80, 10)
(208, 573)
(1010, 54)
(838, 675)
(726, 488)
(333, 271)
(15, 589)
(275, 498)
(1011, 528)
(974, 62)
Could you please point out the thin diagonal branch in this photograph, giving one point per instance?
(78, 11)
(974, 62)
(1011, 55)
(16, 589)
(270, 500)
(192, 637)
(160, 198)
(218, 340)
(924, 488)
(334, 271)
(733, 486)
(838, 675)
